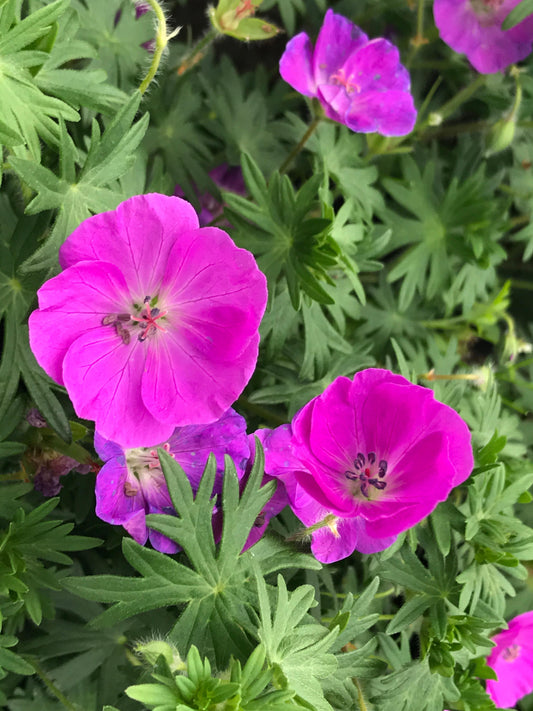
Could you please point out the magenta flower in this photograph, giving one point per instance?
(225, 177)
(372, 457)
(153, 324)
(473, 27)
(360, 83)
(131, 483)
(512, 660)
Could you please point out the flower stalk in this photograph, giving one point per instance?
(162, 38)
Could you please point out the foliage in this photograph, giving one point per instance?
(409, 253)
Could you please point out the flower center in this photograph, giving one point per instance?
(367, 472)
(348, 83)
(145, 466)
(146, 319)
(486, 7)
(511, 653)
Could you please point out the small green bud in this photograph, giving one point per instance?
(501, 135)
(235, 18)
(151, 651)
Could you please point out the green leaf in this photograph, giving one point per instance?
(93, 191)
(298, 653)
(38, 386)
(517, 14)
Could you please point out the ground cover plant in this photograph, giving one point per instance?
(265, 379)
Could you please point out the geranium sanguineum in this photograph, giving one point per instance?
(512, 660)
(359, 82)
(473, 27)
(131, 483)
(371, 457)
(153, 324)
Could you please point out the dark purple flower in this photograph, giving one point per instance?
(35, 419)
(51, 467)
(131, 483)
(360, 83)
(225, 177)
(372, 457)
(153, 322)
(473, 27)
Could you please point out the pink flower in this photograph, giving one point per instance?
(360, 83)
(373, 456)
(153, 324)
(512, 660)
(473, 27)
(131, 483)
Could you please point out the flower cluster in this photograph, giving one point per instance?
(360, 83)
(473, 27)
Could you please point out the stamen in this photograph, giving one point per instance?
(371, 457)
(511, 653)
(382, 468)
(108, 320)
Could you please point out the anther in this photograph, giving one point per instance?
(382, 468)
(109, 319)
(129, 490)
(371, 457)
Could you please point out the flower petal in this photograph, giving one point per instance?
(103, 377)
(391, 113)
(295, 65)
(215, 297)
(337, 39)
(71, 304)
(113, 504)
(376, 67)
(137, 237)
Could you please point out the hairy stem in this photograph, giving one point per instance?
(52, 688)
(161, 41)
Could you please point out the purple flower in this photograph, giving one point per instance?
(376, 455)
(131, 483)
(360, 83)
(512, 660)
(225, 177)
(153, 324)
(473, 27)
(51, 467)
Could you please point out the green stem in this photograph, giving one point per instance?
(292, 155)
(161, 41)
(60, 696)
(453, 104)
(418, 39)
(360, 697)
(197, 52)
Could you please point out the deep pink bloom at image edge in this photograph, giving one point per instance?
(512, 660)
(153, 324)
(359, 83)
(376, 452)
(473, 27)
